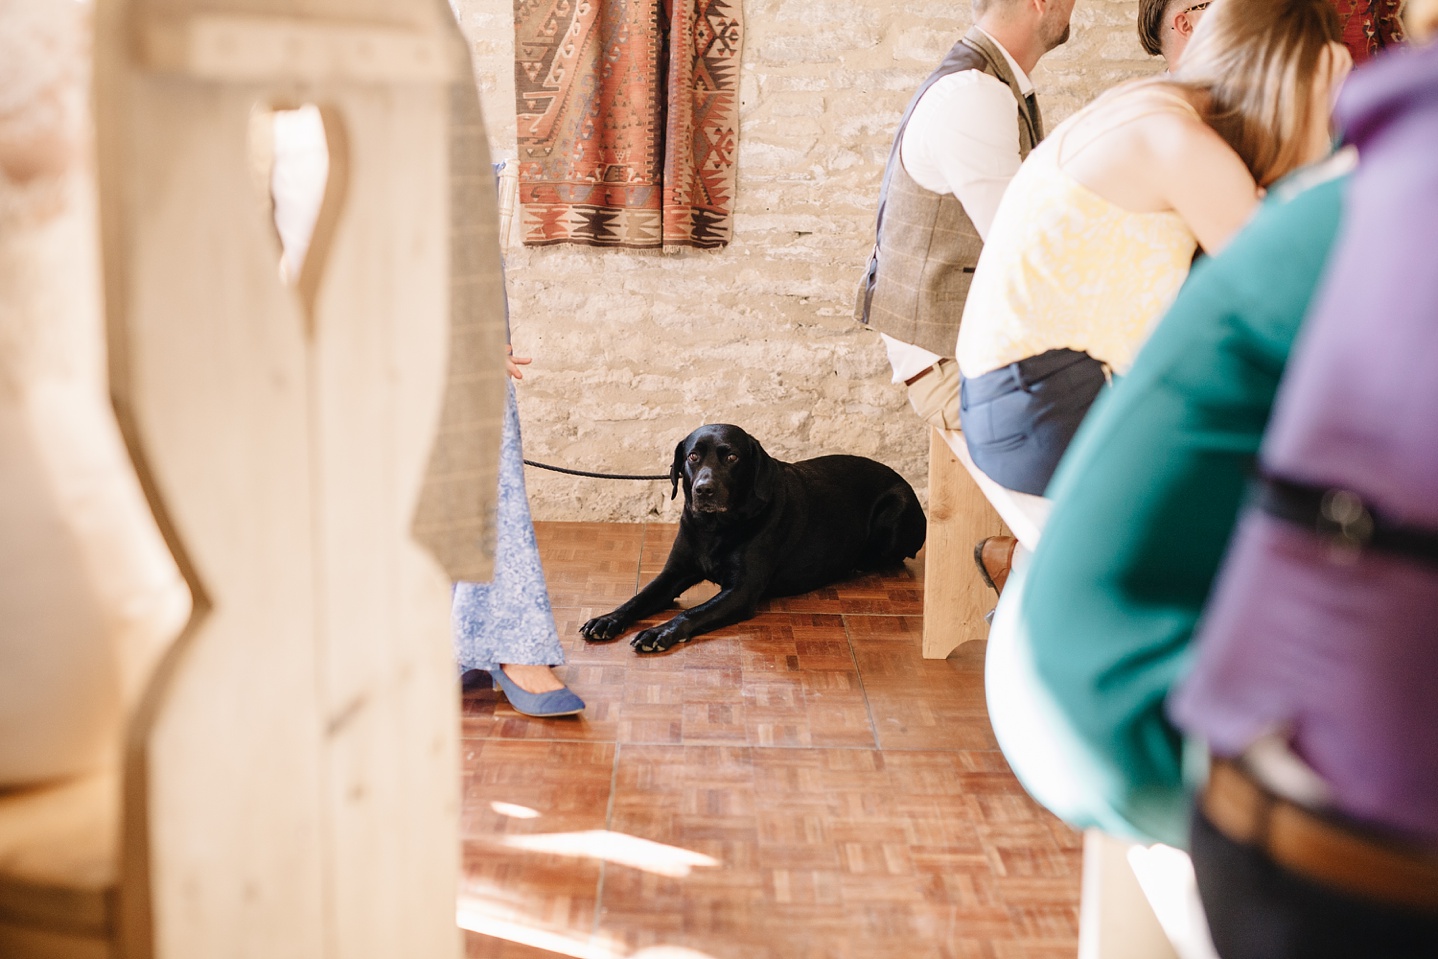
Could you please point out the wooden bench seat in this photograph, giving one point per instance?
(1023, 513)
(59, 867)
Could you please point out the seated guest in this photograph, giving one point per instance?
(961, 139)
(1316, 835)
(1096, 232)
(1091, 634)
(1166, 26)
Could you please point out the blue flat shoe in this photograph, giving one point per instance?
(556, 702)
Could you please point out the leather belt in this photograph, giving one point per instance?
(1343, 518)
(920, 375)
(1318, 847)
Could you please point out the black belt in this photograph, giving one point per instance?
(1342, 517)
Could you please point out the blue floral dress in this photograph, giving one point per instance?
(509, 619)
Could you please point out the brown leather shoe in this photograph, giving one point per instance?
(994, 556)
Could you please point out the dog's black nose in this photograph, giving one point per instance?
(706, 493)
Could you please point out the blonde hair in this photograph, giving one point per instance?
(1421, 18)
(1257, 61)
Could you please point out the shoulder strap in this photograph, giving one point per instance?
(1167, 94)
(1122, 114)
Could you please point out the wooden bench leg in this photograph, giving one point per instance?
(955, 595)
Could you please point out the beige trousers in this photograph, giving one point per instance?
(934, 395)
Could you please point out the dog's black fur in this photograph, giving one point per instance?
(761, 527)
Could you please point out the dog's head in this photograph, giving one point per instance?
(724, 470)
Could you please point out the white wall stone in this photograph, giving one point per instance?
(632, 350)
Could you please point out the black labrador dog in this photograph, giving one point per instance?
(760, 527)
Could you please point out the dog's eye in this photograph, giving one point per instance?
(732, 458)
(693, 457)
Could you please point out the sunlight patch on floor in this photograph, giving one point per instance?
(472, 916)
(615, 847)
(514, 810)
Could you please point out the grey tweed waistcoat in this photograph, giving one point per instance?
(925, 246)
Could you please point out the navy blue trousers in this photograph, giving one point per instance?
(1019, 419)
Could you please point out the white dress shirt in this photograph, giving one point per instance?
(963, 139)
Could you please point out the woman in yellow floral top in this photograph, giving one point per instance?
(1096, 232)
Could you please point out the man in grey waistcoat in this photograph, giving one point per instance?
(958, 144)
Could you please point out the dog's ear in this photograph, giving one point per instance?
(766, 474)
(676, 469)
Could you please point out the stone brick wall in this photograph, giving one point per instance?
(633, 350)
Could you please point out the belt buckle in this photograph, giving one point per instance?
(1345, 522)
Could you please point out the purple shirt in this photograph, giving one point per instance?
(1341, 651)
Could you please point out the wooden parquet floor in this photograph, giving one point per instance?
(800, 786)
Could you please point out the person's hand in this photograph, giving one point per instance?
(512, 363)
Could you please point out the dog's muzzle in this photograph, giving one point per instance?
(705, 496)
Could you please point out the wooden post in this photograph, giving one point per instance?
(291, 778)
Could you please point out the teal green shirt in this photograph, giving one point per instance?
(1145, 501)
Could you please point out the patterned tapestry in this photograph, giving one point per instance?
(628, 121)
(1370, 25)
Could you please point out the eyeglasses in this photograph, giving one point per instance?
(1193, 9)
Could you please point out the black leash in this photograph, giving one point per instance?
(617, 476)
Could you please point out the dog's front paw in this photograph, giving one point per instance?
(601, 629)
(659, 638)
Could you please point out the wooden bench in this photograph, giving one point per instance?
(965, 506)
(59, 868)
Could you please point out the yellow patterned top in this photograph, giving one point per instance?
(1065, 268)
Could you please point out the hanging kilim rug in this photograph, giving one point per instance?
(628, 117)
(1370, 25)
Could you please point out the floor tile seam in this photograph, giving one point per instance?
(608, 825)
(639, 560)
(863, 687)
